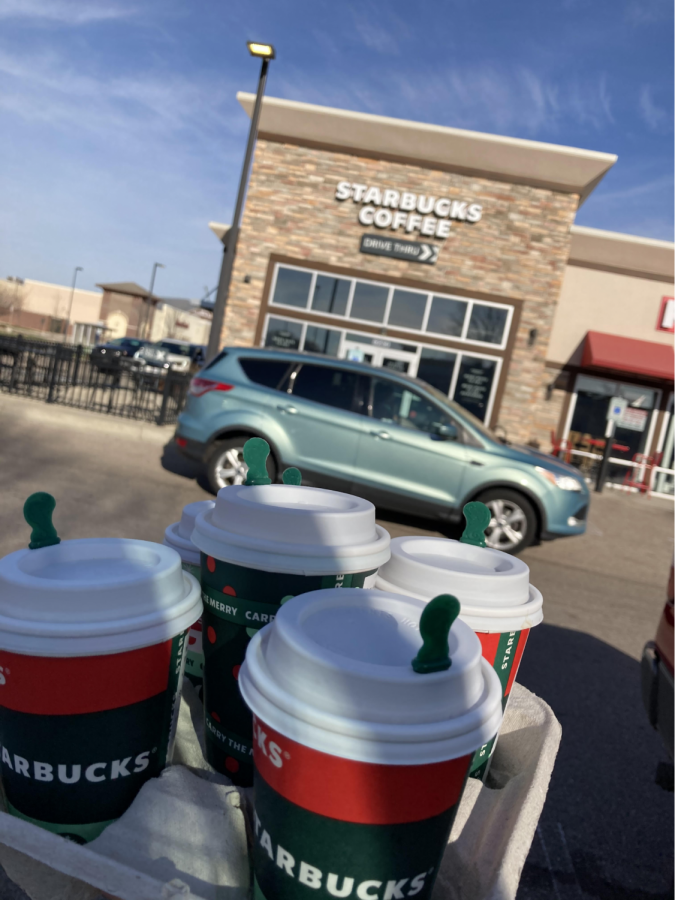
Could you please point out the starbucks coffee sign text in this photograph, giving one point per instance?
(407, 212)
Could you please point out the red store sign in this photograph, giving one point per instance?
(666, 320)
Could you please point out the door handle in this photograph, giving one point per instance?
(291, 410)
(475, 462)
(381, 434)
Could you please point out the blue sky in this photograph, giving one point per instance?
(120, 134)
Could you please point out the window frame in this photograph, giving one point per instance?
(391, 287)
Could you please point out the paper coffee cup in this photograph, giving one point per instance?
(262, 544)
(177, 536)
(495, 593)
(92, 640)
(360, 762)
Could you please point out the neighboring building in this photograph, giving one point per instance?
(121, 310)
(127, 309)
(181, 320)
(130, 311)
(453, 255)
(38, 307)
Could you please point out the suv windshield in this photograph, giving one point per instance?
(178, 349)
(463, 413)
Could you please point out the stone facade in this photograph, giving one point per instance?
(516, 252)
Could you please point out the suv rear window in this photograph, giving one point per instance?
(323, 384)
(268, 372)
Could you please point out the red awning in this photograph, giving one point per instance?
(608, 351)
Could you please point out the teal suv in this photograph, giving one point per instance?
(379, 434)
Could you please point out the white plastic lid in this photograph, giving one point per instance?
(179, 534)
(289, 528)
(94, 596)
(493, 588)
(334, 671)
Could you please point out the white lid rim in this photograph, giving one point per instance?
(527, 608)
(25, 629)
(377, 743)
(255, 670)
(346, 561)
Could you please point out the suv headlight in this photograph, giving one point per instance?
(564, 482)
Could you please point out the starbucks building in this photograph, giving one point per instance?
(453, 256)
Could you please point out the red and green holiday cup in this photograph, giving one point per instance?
(497, 601)
(178, 536)
(262, 544)
(92, 651)
(363, 736)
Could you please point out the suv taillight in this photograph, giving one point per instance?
(201, 386)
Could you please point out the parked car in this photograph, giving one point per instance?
(107, 356)
(179, 356)
(657, 673)
(379, 434)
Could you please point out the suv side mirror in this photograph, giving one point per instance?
(445, 432)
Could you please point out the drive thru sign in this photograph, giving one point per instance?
(617, 407)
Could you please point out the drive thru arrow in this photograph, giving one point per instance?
(428, 252)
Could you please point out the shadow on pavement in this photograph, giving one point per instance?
(607, 829)
(174, 461)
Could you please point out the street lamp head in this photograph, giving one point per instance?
(160, 265)
(266, 51)
(79, 269)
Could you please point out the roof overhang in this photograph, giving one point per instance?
(623, 253)
(565, 169)
(622, 354)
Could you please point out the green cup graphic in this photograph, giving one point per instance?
(497, 601)
(262, 544)
(360, 761)
(178, 536)
(92, 652)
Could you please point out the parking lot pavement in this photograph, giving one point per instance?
(607, 828)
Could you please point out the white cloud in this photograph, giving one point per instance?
(66, 12)
(657, 119)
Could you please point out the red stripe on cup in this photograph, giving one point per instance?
(351, 791)
(59, 686)
(489, 643)
(524, 634)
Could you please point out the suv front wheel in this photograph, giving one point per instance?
(226, 466)
(513, 525)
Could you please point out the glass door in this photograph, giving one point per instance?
(382, 354)
(664, 482)
(632, 434)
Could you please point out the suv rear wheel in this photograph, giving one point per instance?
(513, 525)
(226, 466)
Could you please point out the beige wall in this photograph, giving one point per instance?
(594, 300)
(164, 325)
(45, 299)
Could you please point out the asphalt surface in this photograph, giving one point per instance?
(607, 828)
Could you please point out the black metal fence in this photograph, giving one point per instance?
(59, 373)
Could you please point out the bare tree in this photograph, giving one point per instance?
(12, 295)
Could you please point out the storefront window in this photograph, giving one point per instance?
(330, 295)
(283, 334)
(436, 368)
(322, 340)
(370, 301)
(474, 384)
(292, 287)
(589, 423)
(447, 316)
(407, 309)
(487, 324)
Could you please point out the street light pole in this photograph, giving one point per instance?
(72, 297)
(266, 51)
(146, 322)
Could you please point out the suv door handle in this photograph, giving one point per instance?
(475, 462)
(291, 410)
(381, 434)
